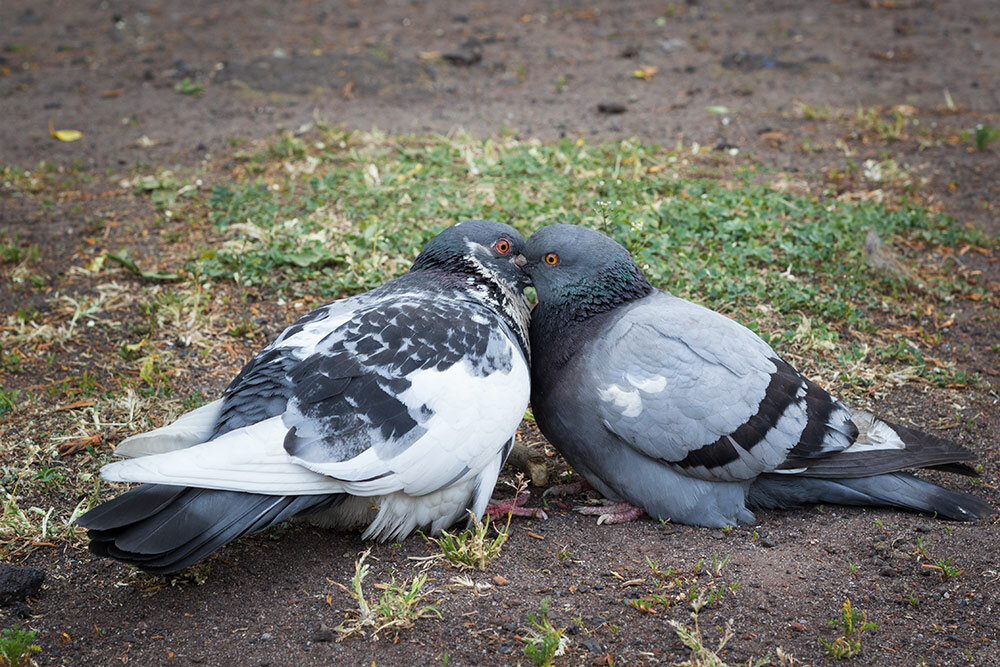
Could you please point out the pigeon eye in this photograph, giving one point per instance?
(502, 246)
(551, 259)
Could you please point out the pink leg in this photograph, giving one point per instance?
(515, 506)
(571, 489)
(609, 512)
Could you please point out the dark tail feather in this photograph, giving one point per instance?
(885, 447)
(897, 489)
(163, 529)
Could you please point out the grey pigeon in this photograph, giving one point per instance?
(690, 416)
(395, 408)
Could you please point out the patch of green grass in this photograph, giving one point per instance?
(49, 477)
(397, 606)
(543, 642)
(472, 548)
(362, 214)
(164, 189)
(16, 647)
(8, 400)
(11, 253)
(671, 587)
(189, 87)
(946, 569)
(981, 137)
(10, 362)
(852, 623)
(703, 655)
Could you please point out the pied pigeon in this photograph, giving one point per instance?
(394, 408)
(670, 407)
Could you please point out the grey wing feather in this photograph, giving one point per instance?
(696, 390)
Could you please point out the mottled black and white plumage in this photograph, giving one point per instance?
(689, 415)
(395, 408)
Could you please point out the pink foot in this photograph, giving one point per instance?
(571, 489)
(609, 512)
(515, 507)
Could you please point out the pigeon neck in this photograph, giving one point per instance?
(476, 279)
(612, 287)
(583, 307)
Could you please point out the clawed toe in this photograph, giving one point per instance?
(515, 506)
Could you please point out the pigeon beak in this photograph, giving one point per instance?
(520, 261)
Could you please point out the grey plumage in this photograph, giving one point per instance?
(689, 415)
(393, 409)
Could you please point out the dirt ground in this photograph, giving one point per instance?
(546, 70)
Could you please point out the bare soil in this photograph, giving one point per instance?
(110, 69)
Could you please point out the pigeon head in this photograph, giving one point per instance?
(581, 272)
(492, 249)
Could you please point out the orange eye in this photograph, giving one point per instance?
(502, 246)
(551, 259)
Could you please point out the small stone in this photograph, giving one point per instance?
(266, 637)
(323, 636)
(611, 108)
(500, 580)
(797, 627)
(887, 572)
(592, 645)
(468, 54)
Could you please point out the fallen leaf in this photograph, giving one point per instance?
(70, 447)
(64, 135)
(774, 138)
(719, 109)
(645, 72)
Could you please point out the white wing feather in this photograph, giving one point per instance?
(192, 428)
(474, 418)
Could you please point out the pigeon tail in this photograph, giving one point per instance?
(883, 447)
(897, 489)
(162, 528)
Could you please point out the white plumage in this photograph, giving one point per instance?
(395, 408)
